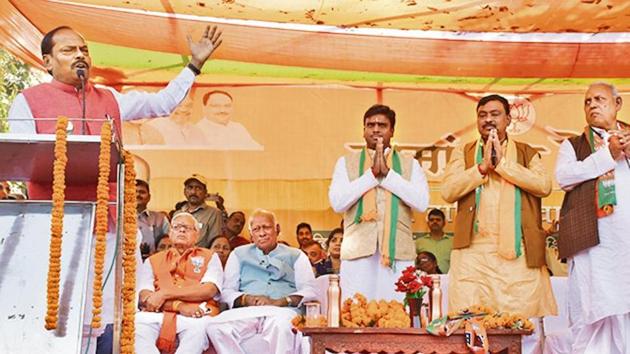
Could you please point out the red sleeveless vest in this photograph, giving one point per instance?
(54, 99)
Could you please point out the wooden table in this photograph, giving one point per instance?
(405, 340)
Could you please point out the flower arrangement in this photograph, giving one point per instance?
(414, 283)
(358, 312)
(127, 338)
(299, 322)
(492, 319)
(56, 223)
(102, 198)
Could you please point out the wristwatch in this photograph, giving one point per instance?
(289, 301)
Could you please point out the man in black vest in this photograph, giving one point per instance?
(594, 170)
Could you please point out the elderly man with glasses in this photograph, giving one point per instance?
(177, 288)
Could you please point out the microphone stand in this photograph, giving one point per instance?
(81, 75)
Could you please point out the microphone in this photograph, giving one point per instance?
(81, 75)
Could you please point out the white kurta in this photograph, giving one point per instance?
(599, 277)
(230, 136)
(191, 331)
(367, 275)
(132, 104)
(271, 324)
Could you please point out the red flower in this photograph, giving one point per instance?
(426, 280)
(412, 283)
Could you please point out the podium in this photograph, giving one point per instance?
(25, 240)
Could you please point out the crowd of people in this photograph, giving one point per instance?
(495, 257)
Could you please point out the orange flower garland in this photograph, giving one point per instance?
(102, 198)
(56, 223)
(127, 337)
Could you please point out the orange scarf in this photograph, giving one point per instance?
(171, 269)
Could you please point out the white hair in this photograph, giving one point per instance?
(261, 212)
(611, 87)
(196, 223)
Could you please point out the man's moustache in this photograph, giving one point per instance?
(80, 62)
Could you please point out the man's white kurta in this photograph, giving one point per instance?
(599, 277)
(366, 275)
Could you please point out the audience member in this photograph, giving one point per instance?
(151, 224)
(233, 227)
(164, 243)
(177, 288)
(264, 283)
(303, 233)
(333, 244)
(427, 262)
(195, 190)
(316, 255)
(176, 208)
(436, 240)
(221, 246)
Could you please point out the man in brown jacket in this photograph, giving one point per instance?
(498, 256)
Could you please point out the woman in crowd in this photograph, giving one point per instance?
(221, 246)
(333, 245)
(426, 262)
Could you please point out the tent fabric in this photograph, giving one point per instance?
(528, 16)
(327, 47)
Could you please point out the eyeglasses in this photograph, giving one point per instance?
(265, 228)
(183, 227)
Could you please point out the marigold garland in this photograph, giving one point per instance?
(102, 198)
(56, 223)
(127, 337)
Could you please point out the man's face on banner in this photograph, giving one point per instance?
(219, 108)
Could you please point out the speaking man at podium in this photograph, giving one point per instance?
(66, 57)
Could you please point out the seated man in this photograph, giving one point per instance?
(233, 227)
(317, 257)
(303, 233)
(265, 283)
(181, 283)
(436, 241)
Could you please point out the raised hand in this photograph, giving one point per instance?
(201, 51)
